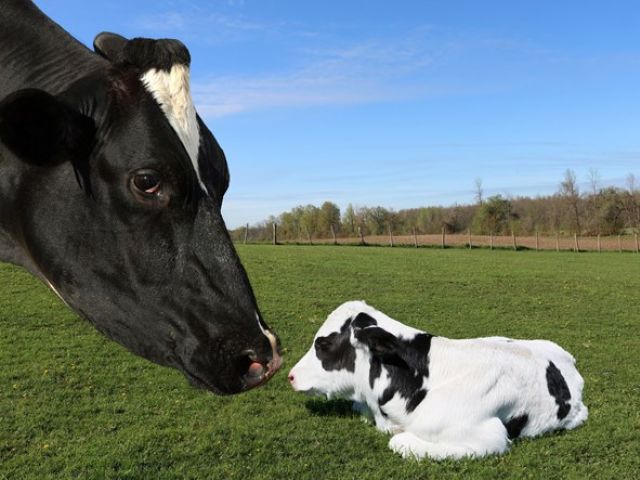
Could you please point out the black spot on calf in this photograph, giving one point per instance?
(515, 425)
(415, 399)
(417, 352)
(406, 361)
(407, 382)
(335, 350)
(375, 369)
(559, 390)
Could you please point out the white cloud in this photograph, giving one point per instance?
(232, 95)
(370, 71)
(168, 21)
(205, 25)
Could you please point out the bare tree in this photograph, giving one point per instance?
(632, 183)
(479, 191)
(593, 201)
(571, 193)
(594, 180)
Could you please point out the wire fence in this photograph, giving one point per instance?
(575, 243)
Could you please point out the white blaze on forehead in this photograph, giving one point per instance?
(172, 92)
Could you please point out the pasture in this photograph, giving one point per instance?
(75, 405)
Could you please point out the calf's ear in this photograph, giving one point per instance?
(379, 341)
(363, 320)
(37, 127)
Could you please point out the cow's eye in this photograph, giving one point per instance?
(146, 182)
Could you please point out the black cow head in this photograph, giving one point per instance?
(117, 198)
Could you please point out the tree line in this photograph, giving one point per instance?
(599, 210)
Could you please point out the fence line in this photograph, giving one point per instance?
(575, 243)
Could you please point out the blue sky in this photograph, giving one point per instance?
(399, 104)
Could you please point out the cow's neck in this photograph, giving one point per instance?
(35, 52)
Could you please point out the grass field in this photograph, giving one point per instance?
(75, 405)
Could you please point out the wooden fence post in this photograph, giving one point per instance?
(513, 237)
(491, 240)
(415, 237)
(390, 236)
(333, 234)
(575, 242)
(599, 245)
(443, 237)
(557, 241)
(620, 243)
(275, 234)
(637, 244)
(361, 236)
(246, 233)
(537, 241)
(470, 244)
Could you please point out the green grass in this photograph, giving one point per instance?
(75, 405)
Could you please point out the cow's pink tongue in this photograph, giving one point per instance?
(256, 370)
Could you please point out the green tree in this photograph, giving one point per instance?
(309, 220)
(609, 215)
(376, 220)
(493, 216)
(329, 216)
(289, 225)
(349, 221)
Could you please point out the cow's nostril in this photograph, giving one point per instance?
(291, 378)
(251, 354)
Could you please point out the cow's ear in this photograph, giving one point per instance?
(379, 341)
(212, 162)
(37, 127)
(110, 46)
(144, 53)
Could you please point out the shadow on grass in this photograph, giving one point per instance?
(330, 408)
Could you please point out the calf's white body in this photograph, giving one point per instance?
(439, 397)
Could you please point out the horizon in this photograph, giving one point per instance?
(405, 106)
(585, 190)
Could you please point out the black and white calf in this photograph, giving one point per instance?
(439, 397)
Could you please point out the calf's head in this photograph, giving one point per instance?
(118, 194)
(357, 346)
(334, 362)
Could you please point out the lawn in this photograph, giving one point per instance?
(75, 405)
